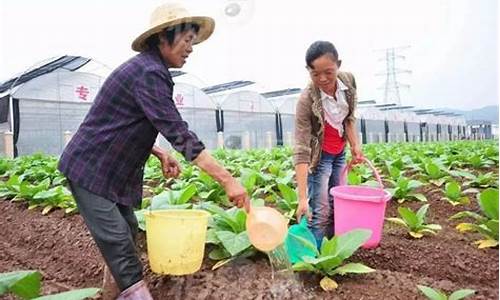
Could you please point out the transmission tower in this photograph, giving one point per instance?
(392, 86)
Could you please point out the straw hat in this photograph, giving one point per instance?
(169, 15)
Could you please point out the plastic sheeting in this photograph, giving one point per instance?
(249, 120)
(61, 86)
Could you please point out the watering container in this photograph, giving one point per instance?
(300, 242)
(266, 228)
(360, 207)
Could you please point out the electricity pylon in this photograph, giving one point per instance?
(392, 86)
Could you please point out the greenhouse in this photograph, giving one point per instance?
(247, 119)
(46, 101)
(234, 115)
(198, 110)
(284, 103)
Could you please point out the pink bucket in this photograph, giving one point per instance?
(360, 207)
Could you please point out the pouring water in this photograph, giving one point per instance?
(267, 230)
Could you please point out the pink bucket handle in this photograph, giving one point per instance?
(349, 166)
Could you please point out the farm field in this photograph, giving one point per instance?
(41, 229)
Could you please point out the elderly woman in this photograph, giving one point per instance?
(324, 122)
(104, 162)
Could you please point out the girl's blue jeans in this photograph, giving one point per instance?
(325, 176)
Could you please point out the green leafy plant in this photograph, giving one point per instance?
(415, 222)
(260, 185)
(477, 181)
(288, 201)
(249, 179)
(35, 168)
(227, 232)
(353, 178)
(330, 259)
(483, 180)
(56, 197)
(434, 294)
(38, 195)
(152, 169)
(361, 175)
(403, 189)
(478, 161)
(26, 285)
(208, 189)
(393, 171)
(486, 223)
(5, 166)
(435, 173)
(453, 194)
(169, 199)
(11, 187)
(174, 199)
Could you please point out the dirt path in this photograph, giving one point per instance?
(61, 248)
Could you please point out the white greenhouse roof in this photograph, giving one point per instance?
(59, 63)
(286, 104)
(223, 87)
(188, 96)
(247, 101)
(61, 85)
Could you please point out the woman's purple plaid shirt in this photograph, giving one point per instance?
(107, 154)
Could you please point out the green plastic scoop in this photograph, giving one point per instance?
(300, 242)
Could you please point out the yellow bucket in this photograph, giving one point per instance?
(176, 240)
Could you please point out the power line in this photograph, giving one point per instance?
(392, 86)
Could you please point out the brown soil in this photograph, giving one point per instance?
(61, 248)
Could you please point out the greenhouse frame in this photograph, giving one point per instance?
(44, 106)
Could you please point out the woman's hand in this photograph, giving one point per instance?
(301, 177)
(169, 166)
(237, 194)
(352, 138)
(234, 190)
(357, 155)
(303, 210)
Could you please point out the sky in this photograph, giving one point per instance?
(449, 47)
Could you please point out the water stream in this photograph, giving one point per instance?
(284, 281)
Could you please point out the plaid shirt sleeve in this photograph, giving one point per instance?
(153, 93)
